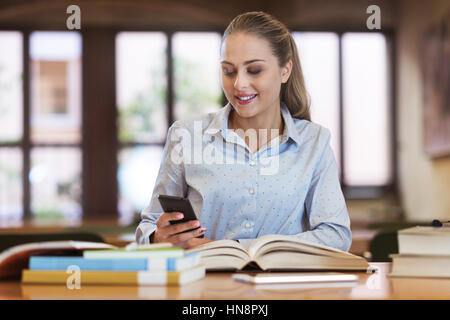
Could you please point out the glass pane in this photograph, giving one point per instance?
(55, 179)
(366, 109)
(55, 66)
(197, 74)
(141, 86)
(11, 92)
(138, 169)
(10, 184)
(319, 57)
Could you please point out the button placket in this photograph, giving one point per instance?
(248, 224)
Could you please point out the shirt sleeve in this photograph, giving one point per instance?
(170, 181)
(325, 206)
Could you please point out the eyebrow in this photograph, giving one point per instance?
(245, 63)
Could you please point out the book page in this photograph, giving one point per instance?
(423, 230)
(222, 254)
(218, 244)
(285, 260)
(268, 243)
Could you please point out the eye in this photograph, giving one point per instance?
(227, 73)
(254, 71)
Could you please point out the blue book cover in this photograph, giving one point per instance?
(138, 264)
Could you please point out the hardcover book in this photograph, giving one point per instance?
(277, 252)
(116, 277)
(126, 264)
(16, 258)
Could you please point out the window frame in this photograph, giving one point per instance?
(26, 144)
(366, 192)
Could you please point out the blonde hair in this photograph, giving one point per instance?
(293, 92)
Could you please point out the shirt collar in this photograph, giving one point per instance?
(220, 123)
(290, 130)
(219, 120)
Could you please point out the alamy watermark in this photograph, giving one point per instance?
(201, 148)
(74, 20)
(74, 279)
(374, 20)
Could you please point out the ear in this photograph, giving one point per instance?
(286, 71)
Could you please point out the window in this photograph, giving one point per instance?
(11, 126)
(141, 86)
(55, 126)
(55, 179)
(197, 74)
(40, 141)
(11, 91)
(11, 192)
(138, 169)
(143, 77)
(347, 78)
(55, 66)
(366, 110)
(319, 57)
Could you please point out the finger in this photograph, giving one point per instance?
(166, 217)
(186, 236)
(181, 227)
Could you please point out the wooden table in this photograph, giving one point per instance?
(220, 286)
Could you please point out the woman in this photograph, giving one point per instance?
(286, 181)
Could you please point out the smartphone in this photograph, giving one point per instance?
(178, 204)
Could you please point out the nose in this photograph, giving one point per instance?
(241, 81)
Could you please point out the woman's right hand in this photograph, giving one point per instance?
(167, 232)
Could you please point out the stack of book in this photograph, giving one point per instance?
(143, 265)
(423, 252)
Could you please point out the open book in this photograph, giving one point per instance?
(277, 252)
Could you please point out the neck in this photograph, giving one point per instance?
(270, 121)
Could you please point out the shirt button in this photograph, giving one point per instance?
(251, 191)
(252, 163)
(248, 225)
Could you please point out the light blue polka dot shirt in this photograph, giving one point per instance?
(288, 187)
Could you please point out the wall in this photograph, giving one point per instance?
(190, 13)
(424, 182)
(325, 14)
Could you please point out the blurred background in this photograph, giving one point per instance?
(84, 113)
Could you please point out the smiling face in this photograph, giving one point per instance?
(251, 76)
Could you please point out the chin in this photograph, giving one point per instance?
(246, 111)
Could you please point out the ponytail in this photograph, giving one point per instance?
(293, 92)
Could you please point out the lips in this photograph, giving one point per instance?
(245, 99)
